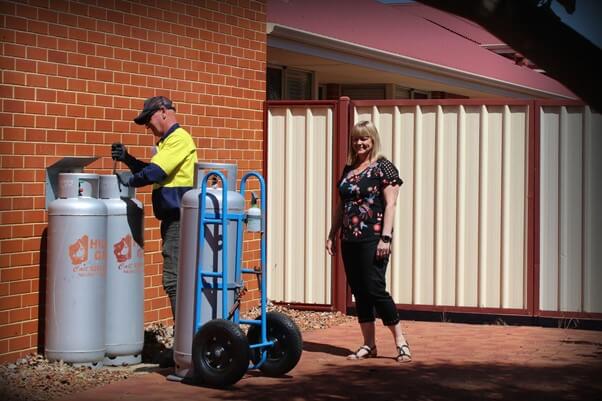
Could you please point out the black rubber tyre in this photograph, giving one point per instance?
(284, 355)
(219, 353)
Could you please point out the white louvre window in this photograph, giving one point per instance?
(402, 92)
(297, 84)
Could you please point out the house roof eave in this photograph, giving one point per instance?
(435, 71)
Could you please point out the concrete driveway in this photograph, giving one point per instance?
(451, 362)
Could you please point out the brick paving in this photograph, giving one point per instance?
(451, 362)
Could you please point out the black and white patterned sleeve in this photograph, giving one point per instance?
(390, 174)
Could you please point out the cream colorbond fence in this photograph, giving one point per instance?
(299, 171)
(460, 229)
(570, 226)
(480, 227)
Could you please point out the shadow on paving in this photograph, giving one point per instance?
(433, 382)
(419, 381)
(309, 346)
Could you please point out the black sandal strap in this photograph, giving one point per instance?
(369, 352)
(366, 348)
(401, 352)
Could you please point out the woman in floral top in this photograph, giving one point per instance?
(368, 189)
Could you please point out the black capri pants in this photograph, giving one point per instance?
(366, 277)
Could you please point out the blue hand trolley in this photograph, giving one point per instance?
(221, 352)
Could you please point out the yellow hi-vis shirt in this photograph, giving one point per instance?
(176, 156)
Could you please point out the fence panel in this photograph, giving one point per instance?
(461, 225)
(570, 256)
(299, 171)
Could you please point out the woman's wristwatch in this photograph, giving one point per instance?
(386, 239)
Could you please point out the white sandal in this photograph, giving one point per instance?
(402, 354)
(363, 352)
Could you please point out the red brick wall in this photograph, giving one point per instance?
(73, 75)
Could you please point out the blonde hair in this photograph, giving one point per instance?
(364, 128)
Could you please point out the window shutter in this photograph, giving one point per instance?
(298, 85)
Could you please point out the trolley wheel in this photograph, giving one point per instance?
(284, 355)
(219, 353)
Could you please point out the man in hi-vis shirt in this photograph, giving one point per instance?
(170, 171)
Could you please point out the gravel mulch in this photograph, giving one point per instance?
(34, 378)
(306, 320)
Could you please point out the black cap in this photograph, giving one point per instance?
(151, 105)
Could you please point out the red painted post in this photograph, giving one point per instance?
(341, 142)
(533, 175)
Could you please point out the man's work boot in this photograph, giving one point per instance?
(166, 358)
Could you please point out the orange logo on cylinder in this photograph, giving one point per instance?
(78, 251)
(123, 249)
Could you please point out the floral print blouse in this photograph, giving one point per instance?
(363, 199)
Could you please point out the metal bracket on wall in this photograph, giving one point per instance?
(65, 165)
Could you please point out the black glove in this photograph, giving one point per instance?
(121, 180)
(119, 152)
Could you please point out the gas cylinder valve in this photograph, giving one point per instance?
(254, 215)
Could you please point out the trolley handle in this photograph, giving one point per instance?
(263, 271)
